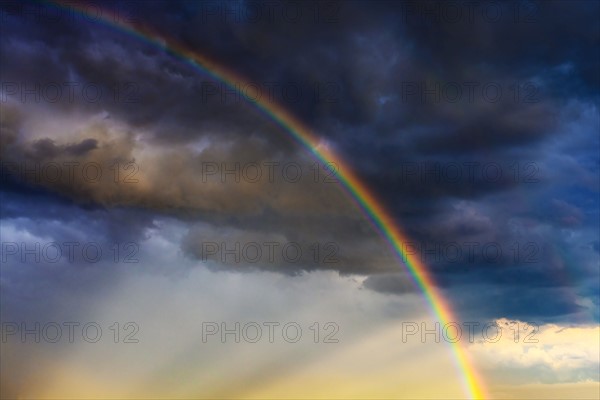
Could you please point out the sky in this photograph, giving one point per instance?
(163, 235)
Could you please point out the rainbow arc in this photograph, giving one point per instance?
(366, 200)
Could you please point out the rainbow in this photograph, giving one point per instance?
(472, 383)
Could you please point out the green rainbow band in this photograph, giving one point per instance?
(472, 383)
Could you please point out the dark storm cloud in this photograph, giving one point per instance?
(390, 283)
(46, 148)
(379, 80)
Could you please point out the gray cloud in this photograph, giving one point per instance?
(374, 57)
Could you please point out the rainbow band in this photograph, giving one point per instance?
(472, 383)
